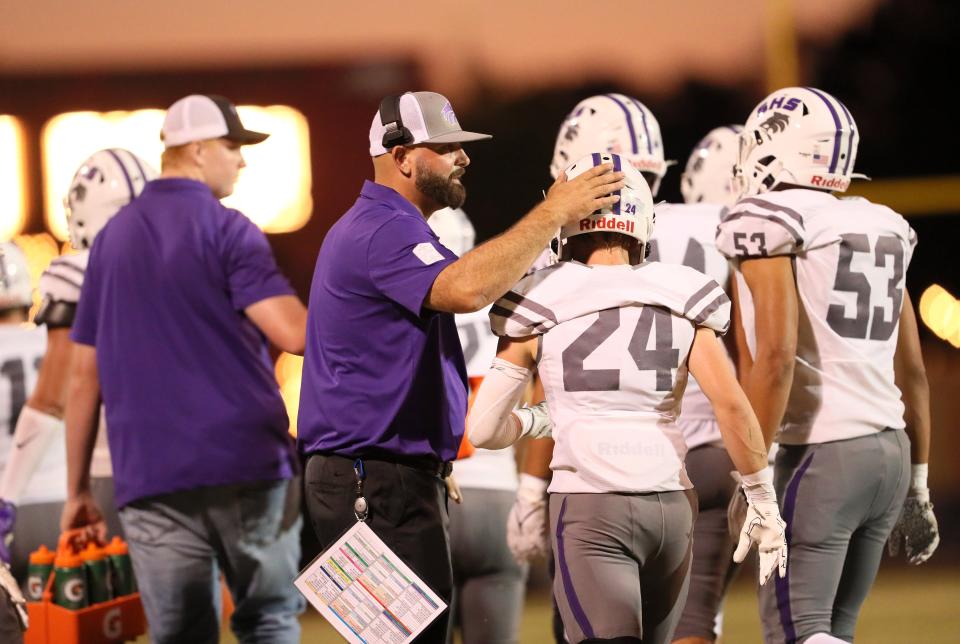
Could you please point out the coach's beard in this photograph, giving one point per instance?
(443, 190)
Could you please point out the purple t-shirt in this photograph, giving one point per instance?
(186, 380)
(382, 374)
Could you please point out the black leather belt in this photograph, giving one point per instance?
(429, 464)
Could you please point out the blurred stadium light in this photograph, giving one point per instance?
(940, 311)
(289, 373)
(13, 207)
(937, 195)
(274, 191)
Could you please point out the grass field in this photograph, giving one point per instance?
(907, 606)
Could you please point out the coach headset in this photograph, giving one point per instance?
(395, 133)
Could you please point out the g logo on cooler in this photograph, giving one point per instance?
(113, 624)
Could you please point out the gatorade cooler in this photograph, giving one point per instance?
(116, 620)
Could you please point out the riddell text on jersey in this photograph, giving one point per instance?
(839, 183)
(607, 223)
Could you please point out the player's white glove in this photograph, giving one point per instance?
(736, 508)
(534, 421)
(9, 590)
(528, 520)
(763, 525)
(917, 525)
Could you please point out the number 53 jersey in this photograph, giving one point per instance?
(850, 260)
(613, 347)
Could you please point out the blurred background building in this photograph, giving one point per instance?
(75, 77)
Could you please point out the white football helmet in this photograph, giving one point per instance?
(104, 183)
(612, 123)
(15, 287)
(632, 215)
(454, 229)
(800, 136)
(708, 177)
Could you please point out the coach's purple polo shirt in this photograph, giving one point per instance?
(382, 375)
(189, 391)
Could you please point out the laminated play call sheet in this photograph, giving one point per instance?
(369, 595)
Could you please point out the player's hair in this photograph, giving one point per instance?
(579, 247)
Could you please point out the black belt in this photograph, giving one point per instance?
(429, 464)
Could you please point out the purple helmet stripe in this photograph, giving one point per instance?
(782, 585)
(643, 119)
(596, 159)
(616, 168)
(136, 161)
(568, 589)
(849, 138)
(626, 112)
(836, 121)
(123, 168)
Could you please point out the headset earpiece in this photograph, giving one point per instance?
(395, 133)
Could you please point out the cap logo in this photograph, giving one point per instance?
(448, 115)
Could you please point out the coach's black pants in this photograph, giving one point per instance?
(408, 510)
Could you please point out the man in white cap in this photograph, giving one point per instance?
(384, 382)
(179, 296)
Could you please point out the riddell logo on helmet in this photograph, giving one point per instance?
(607, 223)
(832, 182)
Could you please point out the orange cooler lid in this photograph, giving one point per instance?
(67, 559)
(42, 556)
(117, 546)
(91, 553)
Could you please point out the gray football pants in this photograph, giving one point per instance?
(840, 501)
(622, 563)
(709, 468)
(488, 585)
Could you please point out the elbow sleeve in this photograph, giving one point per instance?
(490, 425)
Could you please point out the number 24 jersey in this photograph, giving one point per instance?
(614, 342)
(850, 260)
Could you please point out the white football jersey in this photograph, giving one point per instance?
(63, 278)
(685, 235)
(21, 351)
(614, 342)
(488, 469)
(850, 259)
(61, 282)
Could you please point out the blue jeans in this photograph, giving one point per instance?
(181, 542)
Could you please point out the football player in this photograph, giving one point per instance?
(685, 235)
(612, 123)
(489, 586)
(21, 350)
(105, 181)
(612, 338)
(837, 375)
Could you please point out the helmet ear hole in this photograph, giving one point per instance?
(767, 160)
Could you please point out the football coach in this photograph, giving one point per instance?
(384, 392)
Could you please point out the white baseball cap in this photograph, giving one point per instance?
(428, 117)
(199, 117)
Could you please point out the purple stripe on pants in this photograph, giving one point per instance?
(568, 590)
(783, 584)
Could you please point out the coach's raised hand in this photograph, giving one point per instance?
(489, 270)
(569, 201)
